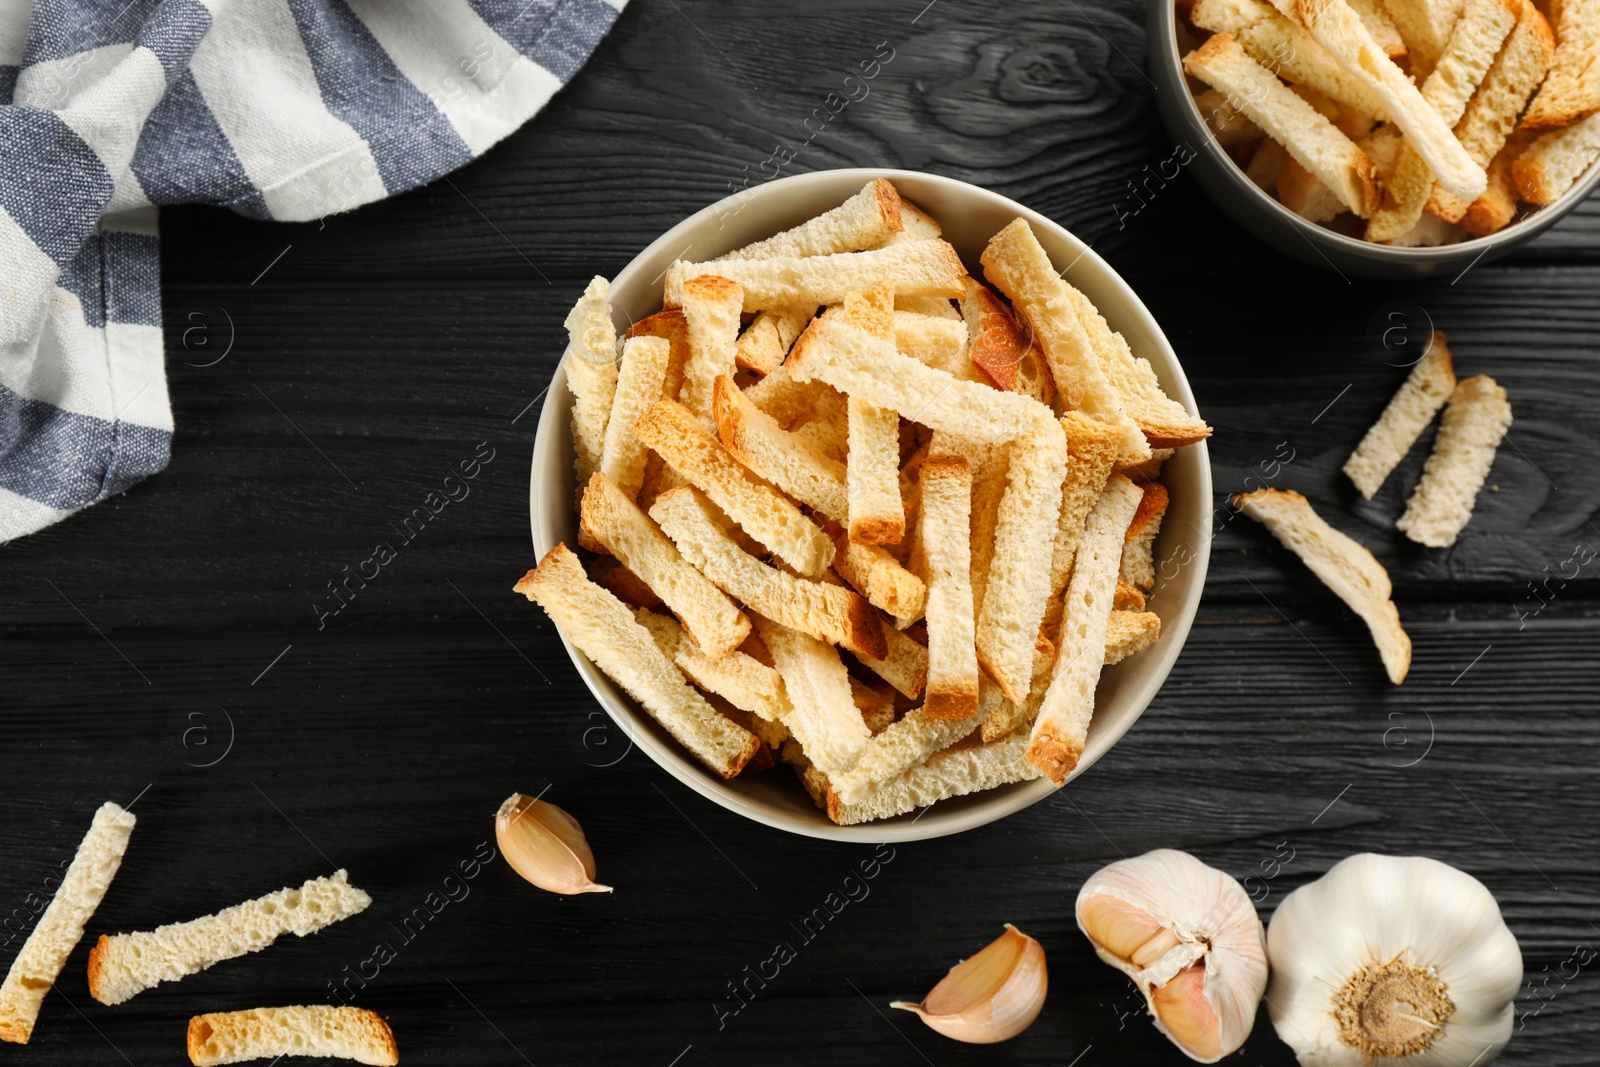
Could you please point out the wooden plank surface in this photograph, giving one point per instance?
(175, 625)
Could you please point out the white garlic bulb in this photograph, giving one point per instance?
(1399, 959)
(1188, 936)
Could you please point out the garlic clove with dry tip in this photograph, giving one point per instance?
(546, 846)
(993, 996)
(1188, 936)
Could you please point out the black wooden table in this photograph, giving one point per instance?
(165, 646)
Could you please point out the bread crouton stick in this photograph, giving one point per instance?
(1466, 61)
(1017, 264)
(822, 711)
(1062, 728)
(1019, 574)
(1475, 420)
(673, 432)
(1312, 140)
(82, 888)
(917, 268)
(866, 220)
(715, 623)
(711, 311)
(1491, 116)
(1339, 29)
(1342, 564)
(604, 629)
(1408, 413)
(860, 365)
(872, 462)
(827, 612)
(785, 459)
(946, 524)
(641, 382)
(952, 773)
(591, 366)
(125, 965)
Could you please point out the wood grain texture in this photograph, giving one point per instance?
(141, 638)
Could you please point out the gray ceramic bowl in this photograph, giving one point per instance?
(1281, 228)
(969, 215)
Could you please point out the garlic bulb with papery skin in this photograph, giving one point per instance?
(546, 846)
(1401, 958)
(1188, 936)
(993, 996)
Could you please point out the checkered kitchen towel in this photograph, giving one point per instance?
(278, 109)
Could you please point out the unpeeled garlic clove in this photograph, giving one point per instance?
(993, 996)
(1188, 936)
(546, 846)
(1181, 1008)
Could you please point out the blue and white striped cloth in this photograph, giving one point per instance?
(278, 109)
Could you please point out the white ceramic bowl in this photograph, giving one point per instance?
(1266, 217)
(970, 215)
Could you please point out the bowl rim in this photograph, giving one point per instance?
(1524, 229)
(997, 803)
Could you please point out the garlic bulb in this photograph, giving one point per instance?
(991, 997)
(1403, 959)
(545, 845)
(1188, 936)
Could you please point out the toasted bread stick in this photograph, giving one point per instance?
(952, 656)
(641, 382)
(1466, 61)
(762, 512)
(123, 966)
(591, 365)
(823, 716)
(604, 629)
(1342, 564)
(872, 463)
(715, 623)
(866, 220)
(1491, 116)
(1571, 92)
(1019, 267)
(952, 773)
(1061, 729)
(868, 368)
(1340, 30)
(1552, 164)
(785, 459)
(1408, 413)
(917, 268)
(1311, 138)
(300, 1030)
(34, 970)
(711, 310)
(827, 612)
(1475, 421)
(1019, 573)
